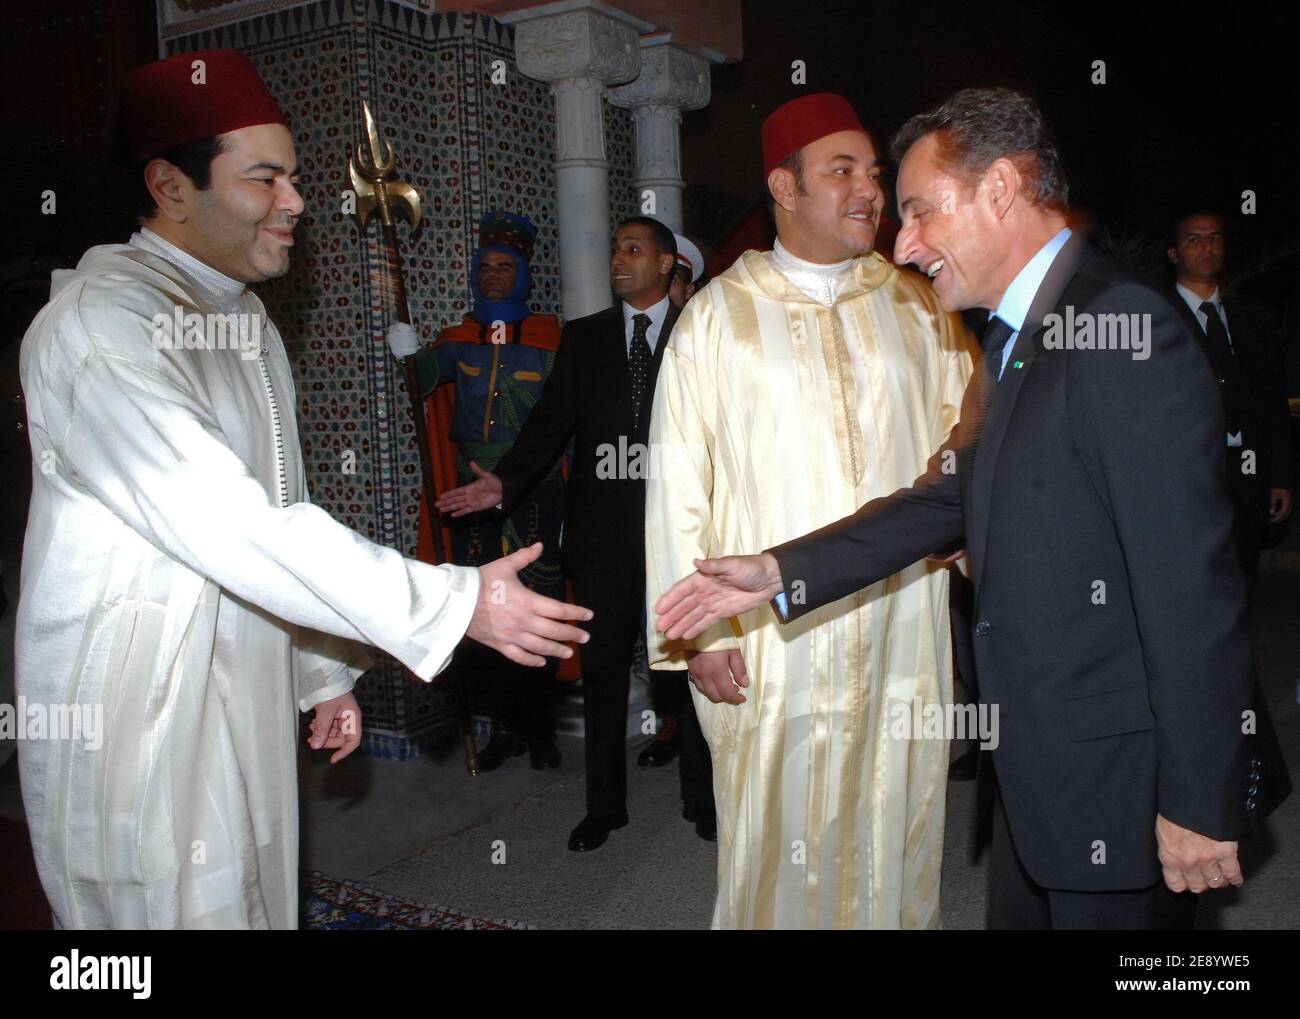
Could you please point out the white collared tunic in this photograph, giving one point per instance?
(175, 573)
(789, 395)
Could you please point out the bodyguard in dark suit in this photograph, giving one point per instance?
(599, 393)
(1241, 343)
(1086, 476)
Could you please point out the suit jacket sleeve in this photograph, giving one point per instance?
(1156, 457)
(881, 538)
(547, 427)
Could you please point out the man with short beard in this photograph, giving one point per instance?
(799, 383)
(174, 572)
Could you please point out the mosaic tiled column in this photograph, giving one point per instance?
(671, 80)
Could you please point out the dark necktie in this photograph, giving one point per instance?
(1224, 363)
(995, 337)
(1216, 331)
(994, 340)
(638, 360)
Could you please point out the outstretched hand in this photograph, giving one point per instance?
(521, 624)
(719, 589)
(472, 498)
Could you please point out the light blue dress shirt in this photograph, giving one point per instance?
(1014, 306)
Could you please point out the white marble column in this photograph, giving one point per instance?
(579, 49)
(671, 80)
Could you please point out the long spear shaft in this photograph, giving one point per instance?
(417, 399)
(377, 194)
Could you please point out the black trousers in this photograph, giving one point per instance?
(618, 602)
(517, 697)
(1250, 505)
(670, 692)
(1018, 903)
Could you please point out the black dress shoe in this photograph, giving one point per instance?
(664, 748)
(544, 754)
(592, 832)
(657, 754)
(707, 828)
(503, 745)
(963, 769)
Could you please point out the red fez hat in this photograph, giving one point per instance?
(790, 127)
(192, 96)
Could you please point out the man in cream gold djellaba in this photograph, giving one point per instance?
(798, 384)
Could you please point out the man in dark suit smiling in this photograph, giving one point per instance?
(1086, 478)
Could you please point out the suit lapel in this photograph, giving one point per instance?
(1188, 316)
(664, 334)
(1194, 326)
(611, 354)
(1006, 391)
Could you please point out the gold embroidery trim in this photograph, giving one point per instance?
(848, 407)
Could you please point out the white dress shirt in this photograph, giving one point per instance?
(1195, 300)
(657, 312)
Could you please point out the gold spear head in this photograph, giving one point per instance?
(376, 187)
(404, 198)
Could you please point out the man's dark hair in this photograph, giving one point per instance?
(1177, 225)
(976, 126)
(664, 240)
(194, 159)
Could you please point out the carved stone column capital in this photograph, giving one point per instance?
(671, 80)
(582, 43)
(579, 47)
(578, 52)
(669, 76)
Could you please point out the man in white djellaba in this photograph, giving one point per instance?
(174, 573)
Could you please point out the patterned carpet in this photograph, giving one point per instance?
(332, 904)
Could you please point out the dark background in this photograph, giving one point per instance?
(1199, 104)
(1197, 107)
